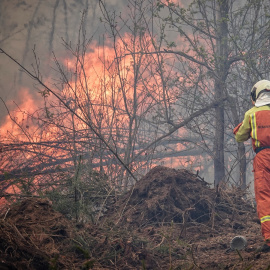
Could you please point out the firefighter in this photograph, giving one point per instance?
(256, 125)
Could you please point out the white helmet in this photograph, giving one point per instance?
(259, 88)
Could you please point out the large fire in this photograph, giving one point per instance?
(126, 97)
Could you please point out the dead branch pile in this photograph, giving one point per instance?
(166, 195)
(34, 236)
(153, 226)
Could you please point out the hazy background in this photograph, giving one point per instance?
(41, 25)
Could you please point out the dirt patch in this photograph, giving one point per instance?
(171, 219)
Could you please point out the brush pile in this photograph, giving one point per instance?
(169, 219)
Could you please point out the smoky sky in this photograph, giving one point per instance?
(40, 26)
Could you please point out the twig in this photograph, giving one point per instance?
(239, 254)
(131, 192)
(158, 245)
(192, 256)
(185, 220)
(6, 214)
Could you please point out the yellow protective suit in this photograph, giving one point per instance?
(256, 125)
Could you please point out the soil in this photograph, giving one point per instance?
(170, 219)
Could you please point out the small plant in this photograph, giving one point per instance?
(54, 263)
(82, 251)
(88, 265)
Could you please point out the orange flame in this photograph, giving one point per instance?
(112, 93)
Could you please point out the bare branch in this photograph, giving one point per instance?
(100, 137)
(183, 123)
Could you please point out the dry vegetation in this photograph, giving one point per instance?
(171, 219)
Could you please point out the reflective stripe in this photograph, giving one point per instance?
(254, 130)
(265, 218)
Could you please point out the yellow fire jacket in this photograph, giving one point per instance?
(256, 124)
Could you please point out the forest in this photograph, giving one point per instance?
(122, 125)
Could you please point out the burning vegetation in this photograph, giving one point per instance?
(171, 219)
(165, 84)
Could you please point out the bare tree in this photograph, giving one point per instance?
(216, 36)
(116, 115)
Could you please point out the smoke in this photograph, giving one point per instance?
(37, 27)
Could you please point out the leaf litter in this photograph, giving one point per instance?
(170, 219)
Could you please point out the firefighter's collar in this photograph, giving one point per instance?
(264, 99)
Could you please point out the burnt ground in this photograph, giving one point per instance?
(171, 219)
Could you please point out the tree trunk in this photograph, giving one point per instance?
(219, 168)
(241, 151)
(220, 88)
